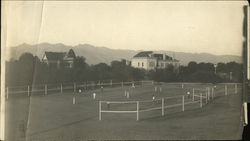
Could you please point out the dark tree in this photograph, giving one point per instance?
(192, 67)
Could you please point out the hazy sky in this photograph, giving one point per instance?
(205, 26)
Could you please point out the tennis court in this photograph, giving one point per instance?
(75, 115)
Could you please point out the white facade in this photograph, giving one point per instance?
(144, 63)
(166, 63)
(148, 61)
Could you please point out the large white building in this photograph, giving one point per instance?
(149, 60)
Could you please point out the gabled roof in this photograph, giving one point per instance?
(71, 53)
(58, 56)
(159, 56)
(143, 54)
(55, 56)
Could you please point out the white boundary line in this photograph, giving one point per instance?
(112, 111)
(117, 102)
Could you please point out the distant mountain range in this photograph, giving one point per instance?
(95, 55)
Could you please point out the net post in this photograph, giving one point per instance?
(74, 87)
(45, 90)
(193, 95)
(183, 102)
(100, 110)
(7, 92)
(61, 88)
(28, 90)
(162, 106)
(137, 110)
(201, 100)
(236, 89)
(225, 89)
(208, 92)
(74, 100)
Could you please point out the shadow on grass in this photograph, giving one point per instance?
(62, 126)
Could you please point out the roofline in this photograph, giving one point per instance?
(144, 57)
(154, 58)
(53, 52)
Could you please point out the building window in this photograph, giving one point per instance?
(142, 64)
(151, 64)
(138, 64)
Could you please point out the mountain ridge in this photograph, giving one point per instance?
(98, 54)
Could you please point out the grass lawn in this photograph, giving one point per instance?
(55, 117)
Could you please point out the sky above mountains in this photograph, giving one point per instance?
(205, 26)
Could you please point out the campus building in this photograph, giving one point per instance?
(149, 60)
(59, 59)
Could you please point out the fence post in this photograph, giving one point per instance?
(193, 94)
(28, 90)
(45, 89)
(74, 100)
(61, 88)
(201, 100)
(212, 93)
(162, 105)
(183, 103)
(225, 89)
(206, 97)
(208, 92)
(74, 87)
(100, 110)
(137, 109)
(111, 83)
(182, 85)
(245, 113)
(236, 89)
(7, 92)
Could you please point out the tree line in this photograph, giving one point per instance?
(29, 69)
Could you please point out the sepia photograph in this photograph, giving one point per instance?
(124, 70)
